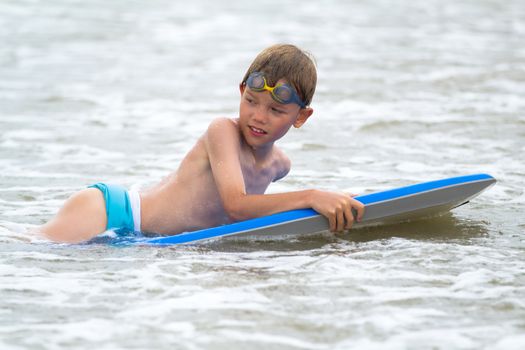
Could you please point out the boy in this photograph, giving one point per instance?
(224, 176)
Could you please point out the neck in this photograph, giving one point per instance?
(260, 153)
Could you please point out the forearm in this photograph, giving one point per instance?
(336, 207)
(246, 207)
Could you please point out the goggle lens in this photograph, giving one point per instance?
(256, 82)
(283, 92)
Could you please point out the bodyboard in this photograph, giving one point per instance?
(385, 207)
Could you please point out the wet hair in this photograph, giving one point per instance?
(285, 61)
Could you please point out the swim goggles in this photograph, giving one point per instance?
(282, 93)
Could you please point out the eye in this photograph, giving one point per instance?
(250, 100)
(277, 110)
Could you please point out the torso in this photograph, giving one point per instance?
(188, 199)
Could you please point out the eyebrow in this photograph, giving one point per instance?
(249, 92)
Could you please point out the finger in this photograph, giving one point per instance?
(340, 220)
(331, 221)
(360, 208)
(349, 217)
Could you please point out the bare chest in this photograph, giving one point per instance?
(257, 176)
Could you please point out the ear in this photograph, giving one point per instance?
(303, 116)
(242, 87)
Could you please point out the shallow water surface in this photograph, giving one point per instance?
(408, 91)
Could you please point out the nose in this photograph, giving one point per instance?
(260, 115)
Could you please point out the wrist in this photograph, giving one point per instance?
(309, 198)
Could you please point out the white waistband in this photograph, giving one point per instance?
(134, 200)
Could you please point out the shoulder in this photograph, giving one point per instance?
(223, 123)
(283, 164)
(221, 130)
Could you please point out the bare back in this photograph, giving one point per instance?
(189, 198)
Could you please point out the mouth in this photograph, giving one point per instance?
(257, 131)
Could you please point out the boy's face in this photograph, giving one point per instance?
(263, 120)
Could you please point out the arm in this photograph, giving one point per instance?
(223, 144)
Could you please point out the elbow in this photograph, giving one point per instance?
(235, 212)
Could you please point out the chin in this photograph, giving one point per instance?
(256, 142)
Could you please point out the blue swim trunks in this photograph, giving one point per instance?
(118, 207)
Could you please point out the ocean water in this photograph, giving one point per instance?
(408, 91)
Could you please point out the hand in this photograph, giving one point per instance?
(337, 208)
